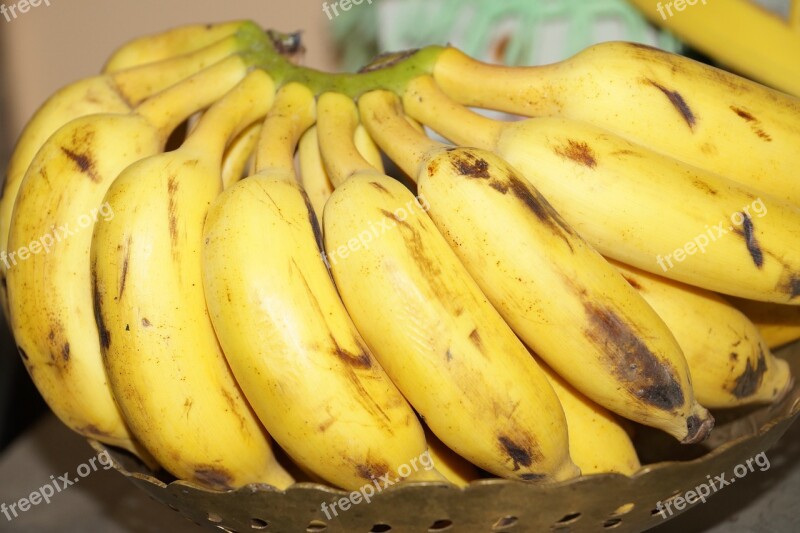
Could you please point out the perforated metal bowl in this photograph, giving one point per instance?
(589, 503)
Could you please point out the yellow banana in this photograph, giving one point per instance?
(313, 176)
(777, 324)
(693, 112)
(739, 34)
(598, 443)
(49, 281)
(439, 339)
(286, 334)
(170, 43)
(634, 205)
(794, 15)
(452, 466)
(239, 155)
(544, 279)
(110, 93)
(729, 361)
(165, 366)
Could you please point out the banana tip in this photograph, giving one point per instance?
(698, 428)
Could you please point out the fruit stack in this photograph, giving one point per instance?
(190, 294)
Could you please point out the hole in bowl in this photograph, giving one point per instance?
(214, 517)
(612, 523)
(380, 528)
(623, 510)
(505, 522)
(316, 525)
(569, 519)
(441, 525)
(257, 523)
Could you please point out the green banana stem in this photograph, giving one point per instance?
(392, 73)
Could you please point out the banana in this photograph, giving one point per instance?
(777, 324)
(286, 334)
(171, 43)
(239, 155)
(794, 15)
(710, 232)
(598, 443)
(165, 366)
(729, 361)
(740, 34)
(427, 322)
(49, 281)
(544, 279)
(313, 176)
(452, 466)
(110, 93)
(695, 113)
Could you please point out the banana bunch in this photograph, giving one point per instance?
(504, 308)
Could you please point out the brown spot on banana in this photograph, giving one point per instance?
(146, 322)
(466, 164)
(678, 102)
(638, 369)
(633, 283)
(475, 337)
(97, 300)
(755, 124)
(65, 352)
(697, 430)
(84, 162)
(172, 189)
(749, 380)
(748, 234)
(522, 455)
(705, 187)
(578, 151)
(380, 187)
(214, 477)
(312, 219)
(372, 471)
(125, 262)
(23, 354)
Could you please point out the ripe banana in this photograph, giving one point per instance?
(609, 190)
(110, 93)
(729, 361)
(777, 324)
(428, 323)
(452, 466)
(544, 279)
(693, 112)
(239, 155)
(598, 443)
(171, 43)
(313, 176)
(739, 34)
(165, 366)
(286, 334)
(49, 282)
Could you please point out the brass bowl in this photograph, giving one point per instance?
(589, 503)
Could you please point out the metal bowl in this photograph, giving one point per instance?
(589, 503)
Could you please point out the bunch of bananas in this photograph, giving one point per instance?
(505, 307)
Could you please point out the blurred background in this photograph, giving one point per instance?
(50, 46)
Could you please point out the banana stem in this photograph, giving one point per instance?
(382, 115)
(293, 113)
(336, 128)
(427, 103)
(246, 103)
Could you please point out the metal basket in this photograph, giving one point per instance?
(589, 503)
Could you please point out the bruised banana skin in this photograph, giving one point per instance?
(730, 363)
(166, 369)
(777, 324)
(438, 337)
(698, 114)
